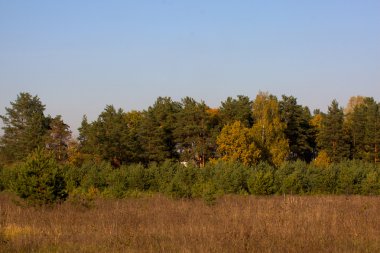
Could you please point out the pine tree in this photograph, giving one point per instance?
(372, 130)
(57, 138)
(239, 109)
(24, 127)
(298, 131)
(364, 123)
(106, 138)
(333, 137)
(157, 129)
(194, 132)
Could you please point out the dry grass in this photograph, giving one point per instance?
(158, 224)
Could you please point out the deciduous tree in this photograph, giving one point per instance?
(268, 129)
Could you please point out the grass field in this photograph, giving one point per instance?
(159, 224)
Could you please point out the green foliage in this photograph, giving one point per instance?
(230, 177)
(261, 180)
(39, 179)
(239, 109)
(156, 130)
(258, 147)
(351, 174)
(106, 137)
(95, 175)
(182, 184)
(299, 132)
(333, 136)
(24, 128)
(322, 180)
(370, 185)
(137, 178)
(194, 132)
(291, 178)
(364, 126)
(57, 138)
(206, 190)
(117, 183)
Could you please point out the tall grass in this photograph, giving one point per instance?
(160, 224)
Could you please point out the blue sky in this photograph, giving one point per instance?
(79, 56)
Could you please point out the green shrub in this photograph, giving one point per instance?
(161, 176)
(95, 175)
(261, 181)
(182, 183)
(371, 183)
(117, 183)
(136, 177)
(291, 178)
(230, 177)
(350, 176)
(73, 177)
(39, 179)
(322, 180)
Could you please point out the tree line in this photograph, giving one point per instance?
(261, 146)
(265, 129)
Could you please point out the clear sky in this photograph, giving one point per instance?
(79, 56)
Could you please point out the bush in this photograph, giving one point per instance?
(137, 177)
(322, 180)
(351, 174)
(290, 178)
(39, 179)
(161, 176)
(95, 175)
(261, 181)
(230, 177)
(117, 183)
(182, 183)
(371, 184)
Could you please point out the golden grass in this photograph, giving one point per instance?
(159, 224)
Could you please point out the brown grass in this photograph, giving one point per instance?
(159, 224)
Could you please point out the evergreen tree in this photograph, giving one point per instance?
(298, 131)
(364, 125)
(24, 127)
(372, 130)
(40, 180)
(356, 120)
(106, 137)
(239, 109)
(157, 128)
(333, 136)
(135, 149)
(57, 138)
(194, 132)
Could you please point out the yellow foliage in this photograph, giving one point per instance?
(322, 159)
(235, 143)
(268, 129)
(316, 121)
(213, 112)
(75, 157)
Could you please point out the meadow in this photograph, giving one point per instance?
(156, 223)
